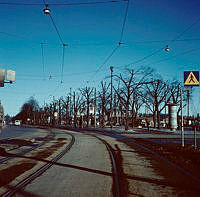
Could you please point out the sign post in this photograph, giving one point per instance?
(191, 78)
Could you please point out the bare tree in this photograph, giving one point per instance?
(77, 106)
(103, 97)
(131, 83)
(154, 96)
(87, 94)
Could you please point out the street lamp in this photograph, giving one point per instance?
(46, 10)
(167, 49)
(111, 109)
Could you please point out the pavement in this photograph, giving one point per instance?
(160, 135)
(161, 131)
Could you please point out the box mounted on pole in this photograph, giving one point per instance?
(7, 76)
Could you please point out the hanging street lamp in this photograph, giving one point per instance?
(46, 10)
(167, 49)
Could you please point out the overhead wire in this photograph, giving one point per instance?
(127, 43)
(63, 61)
(107, 59)
(179, 54)
(61, 40)
(171, 41)
(144, 58)
(158, 41)
(65, 4)
(185, 30)
(43, 69)
(124, 22)
(58, 33)
(69, 74)
(119, 42)
(16, 36)
(165, 59)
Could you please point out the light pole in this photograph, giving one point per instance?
(111, 109)
(95, 105)
(182, 123)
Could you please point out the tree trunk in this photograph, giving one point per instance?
(127, 116)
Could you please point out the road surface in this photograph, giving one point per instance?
(86, 168)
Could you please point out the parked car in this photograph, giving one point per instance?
(17, 122)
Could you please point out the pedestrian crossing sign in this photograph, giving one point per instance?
(191, 78)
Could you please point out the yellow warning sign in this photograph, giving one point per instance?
(191, 80)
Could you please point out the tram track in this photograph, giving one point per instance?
(45, 140)
(115, 168)
(133, 143)
(19, 186)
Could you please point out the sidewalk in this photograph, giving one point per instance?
(152, 130)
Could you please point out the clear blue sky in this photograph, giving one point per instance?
(92, 32)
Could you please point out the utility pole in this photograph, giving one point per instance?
(59, 109)
(182, 124)
(111, 108)
(188, 105)
(70, 106)
(95, 105)
(115, 109)
(74, 109)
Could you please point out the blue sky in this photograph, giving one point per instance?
(92, 32)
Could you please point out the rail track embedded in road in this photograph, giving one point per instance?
(41, 170)
(48, 138)
(116, 177)
(131, 142)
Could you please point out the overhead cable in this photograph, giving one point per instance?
(142, 59)
(42, 50)
(120, 40)
(185, 30)
(64, 4)
(179, 54)
(48, 12)
(61, 40)
(107, 59)
(63, 62)
(158, 41)
(124, 22)
(173, 40)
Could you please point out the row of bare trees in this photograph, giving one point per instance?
(133, 91)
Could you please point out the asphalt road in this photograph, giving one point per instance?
(21, 132)
(147, 174)
(58, 181)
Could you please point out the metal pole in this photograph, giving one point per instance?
(95, 105)
(111, 109)
(188, 106)
(182, 125)
(74, 110)
(165, 111)
(70, 106)
(195, 138)
(59, 108)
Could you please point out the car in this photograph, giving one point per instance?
(17, 122)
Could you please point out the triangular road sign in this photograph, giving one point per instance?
(191, 80)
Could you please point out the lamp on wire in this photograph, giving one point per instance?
(167, 49)
(46, 10)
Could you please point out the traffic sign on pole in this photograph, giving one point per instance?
(191, 78)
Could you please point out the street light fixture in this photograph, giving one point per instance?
(167, 49)
(46, 10)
